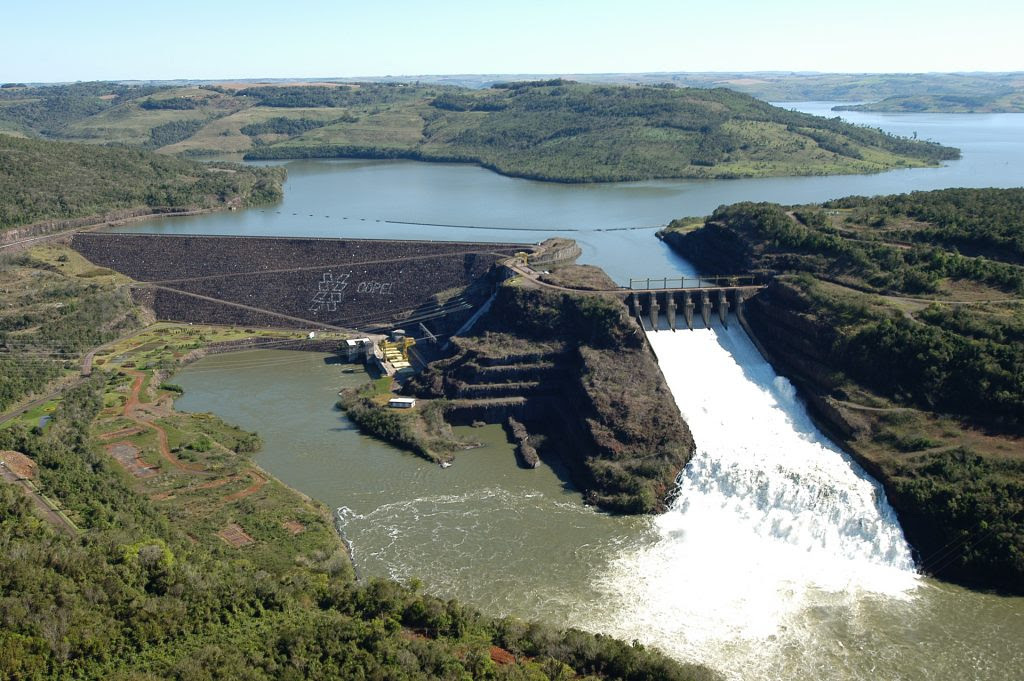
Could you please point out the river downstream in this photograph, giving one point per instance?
(749, 571)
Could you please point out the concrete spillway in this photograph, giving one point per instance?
(770, 521)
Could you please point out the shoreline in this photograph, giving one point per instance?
(241, 345)
(42, 232)
(414, 156)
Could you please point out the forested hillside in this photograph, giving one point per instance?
(903, 318)
(1007, 101)
(44, 180)
(550, 130)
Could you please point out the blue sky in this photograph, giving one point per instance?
(65, 41)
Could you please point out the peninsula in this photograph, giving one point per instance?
(553, 130)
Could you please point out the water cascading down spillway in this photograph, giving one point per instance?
(770, 530)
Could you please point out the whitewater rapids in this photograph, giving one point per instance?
(773, 534)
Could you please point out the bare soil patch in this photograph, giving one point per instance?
(23, 467)
(502, 656)
(258, 480)
(127, 454)
(234, 535)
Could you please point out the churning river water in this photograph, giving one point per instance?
(778, 558)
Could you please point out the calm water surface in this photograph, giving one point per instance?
(521, 542)
(358, 198)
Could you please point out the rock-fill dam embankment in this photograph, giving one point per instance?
(297, 282)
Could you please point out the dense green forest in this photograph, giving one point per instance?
(48, 110)
(282, 126)
(954, 358)
(906, 314)
(175, 103)
(554, 130)
(20, 376)
(43, 180)
(173, 131)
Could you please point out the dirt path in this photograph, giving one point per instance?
(131, 409)
(259, 480)
(66, 383)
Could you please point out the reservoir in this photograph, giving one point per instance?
(742, 573)
(410, 200)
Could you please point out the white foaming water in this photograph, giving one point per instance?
(773, 535)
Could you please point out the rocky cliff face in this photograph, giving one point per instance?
(576, 373)
(941, 494)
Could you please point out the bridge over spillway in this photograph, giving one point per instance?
(686, 296)
(674, 296)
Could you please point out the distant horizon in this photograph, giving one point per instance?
(528, 74)
(117, 40)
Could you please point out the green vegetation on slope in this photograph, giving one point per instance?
(781, 86)
(49, 110)
(904, 315)
(42, 180)
(561, 131)
(998, 102)
(549, 130)
(56, 306)
(423, 430)
(136, 596)
(857, 87)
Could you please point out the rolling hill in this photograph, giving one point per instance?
(553, 130)
(47, 180)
